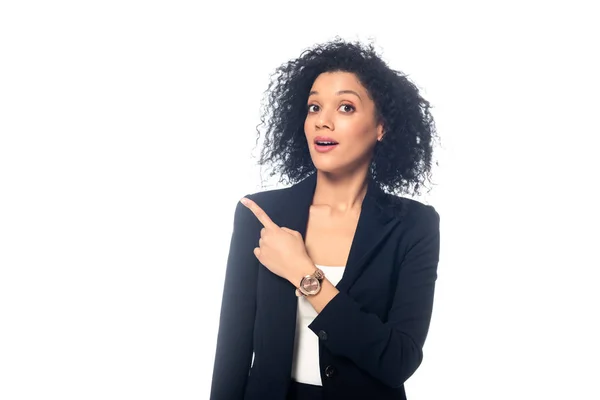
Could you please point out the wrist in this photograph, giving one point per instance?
(307, 268)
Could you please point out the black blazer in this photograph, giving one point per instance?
(371, 334)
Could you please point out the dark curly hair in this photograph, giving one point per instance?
(401, 161)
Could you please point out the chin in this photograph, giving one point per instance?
(328, 169)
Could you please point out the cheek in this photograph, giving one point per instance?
(354, 131)
(307, 124)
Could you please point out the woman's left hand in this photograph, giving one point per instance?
(280, 249)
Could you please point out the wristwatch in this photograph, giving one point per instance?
(310, 285)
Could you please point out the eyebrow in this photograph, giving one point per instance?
(338, 93)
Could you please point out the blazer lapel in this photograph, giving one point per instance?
(376, 221)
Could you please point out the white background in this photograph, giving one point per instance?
(127, 135)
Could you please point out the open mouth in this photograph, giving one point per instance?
(323, 147)
(319, 143)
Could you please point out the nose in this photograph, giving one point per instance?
(324, 121)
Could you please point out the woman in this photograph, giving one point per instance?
(330, 282)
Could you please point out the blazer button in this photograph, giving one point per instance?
(329, 371)
(322, 335)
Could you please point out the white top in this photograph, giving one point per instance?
(305, 367)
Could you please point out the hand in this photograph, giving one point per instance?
(281, 250)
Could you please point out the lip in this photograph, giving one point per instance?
(325, 149)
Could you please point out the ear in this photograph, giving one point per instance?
(380, 131)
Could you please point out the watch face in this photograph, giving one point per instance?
(310, 285)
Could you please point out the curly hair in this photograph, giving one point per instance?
(401, 161)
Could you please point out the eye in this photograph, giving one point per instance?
(349, 106)
(348, 109)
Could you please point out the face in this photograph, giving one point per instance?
(340, 108)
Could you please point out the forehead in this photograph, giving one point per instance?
(334, 81)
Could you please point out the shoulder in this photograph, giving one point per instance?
(420, 226)
(266, 199)
(413, 211)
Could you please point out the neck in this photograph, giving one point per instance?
(341, 194)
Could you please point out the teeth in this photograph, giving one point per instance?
(326, 143)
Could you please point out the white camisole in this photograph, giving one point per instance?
(305, 366)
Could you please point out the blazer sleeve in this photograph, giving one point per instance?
(238, 307)
(390, 351)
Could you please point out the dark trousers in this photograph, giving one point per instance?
(303, 391)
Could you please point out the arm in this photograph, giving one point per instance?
(389, 351)
(238, 307)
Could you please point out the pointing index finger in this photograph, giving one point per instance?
(259, 213)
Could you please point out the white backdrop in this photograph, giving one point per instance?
(121, 120)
